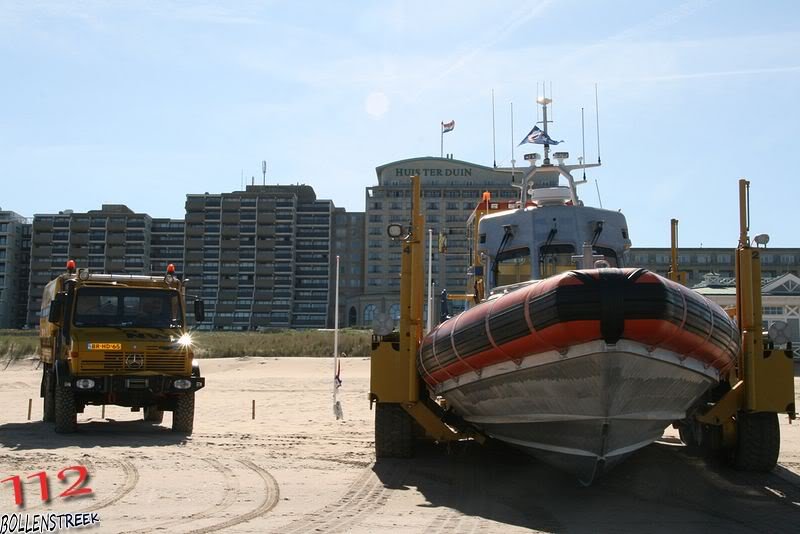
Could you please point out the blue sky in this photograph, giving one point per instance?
(143, 102)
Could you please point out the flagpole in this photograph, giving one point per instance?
(337, 410)
(430, 280)
(441, 141)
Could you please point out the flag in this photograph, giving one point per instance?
(537, 136)
(448, 126)
(442, 243)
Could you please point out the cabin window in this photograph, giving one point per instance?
(555, 259)
(512, 266)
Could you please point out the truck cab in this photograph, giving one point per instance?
(117, 339)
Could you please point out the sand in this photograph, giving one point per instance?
(295, 468)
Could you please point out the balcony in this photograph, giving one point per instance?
(115, 266)
(262, 295)
(230, 230)
(194, 243)
(265, 256)
(264, 282)
(42, 252)
(266, 218)
(79, 226)
(229, 269)
(228, 283)
(263, 230)
(194, 218)
(225, 307)
(230, 244)
(79, 239)
(115, 239)
(43, 238)
(194, 231)
(194, 255)
(264, 269)
(230, 217)
(42, 225)
(116, 225)
(195, 204)
(257, 308)
(79, 252)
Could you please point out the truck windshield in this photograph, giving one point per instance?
(123, 306)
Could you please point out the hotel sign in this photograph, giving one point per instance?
(400, 171)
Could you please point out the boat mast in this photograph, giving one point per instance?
(544, 101)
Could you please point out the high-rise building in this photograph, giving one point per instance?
(112, 239)
(260, 258)
(348, 243)
(14, 254)
(451, 189)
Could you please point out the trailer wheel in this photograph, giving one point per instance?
(183, 414)
(48, 396)
(394, 431)
(758, 441)
(65, 410)
(153, 415)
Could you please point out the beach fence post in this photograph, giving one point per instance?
(254, 409)
(103, 412)
(30, 406)
(337, 406)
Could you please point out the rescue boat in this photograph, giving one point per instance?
(573, 355)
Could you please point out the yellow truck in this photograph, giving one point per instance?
(117, 339)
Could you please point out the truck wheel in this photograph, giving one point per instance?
(153, 415)
(758, 441)
(183, 414)
(49, 402)
(66, 412)
(394, 432)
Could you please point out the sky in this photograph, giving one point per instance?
(143, 102)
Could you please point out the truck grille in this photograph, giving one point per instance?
(159, 361)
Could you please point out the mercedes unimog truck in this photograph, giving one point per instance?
(117, 339)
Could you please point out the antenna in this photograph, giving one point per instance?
(600, 200)
(252, 180)
(597, 119)
(494, 143)
(513, 161)
(264, 170)
(583, 144)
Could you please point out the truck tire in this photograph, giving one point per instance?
(66, 411)
(153, 415)
(48, 397)
(758, 441)
(394, 431)
(183, 414)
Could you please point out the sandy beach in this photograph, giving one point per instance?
(295, 468)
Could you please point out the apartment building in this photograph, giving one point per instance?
(14, 258)
(112, 239)
(347, 243)
(260, 258)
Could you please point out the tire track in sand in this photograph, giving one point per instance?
(365, 495)
(270, 500)
(229, 493)
(131, 478)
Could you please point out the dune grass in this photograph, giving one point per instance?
(281, 343)
(15, 344)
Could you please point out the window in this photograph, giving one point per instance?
(510, 267)
(369, 313)
(555, 259)
(394, 312)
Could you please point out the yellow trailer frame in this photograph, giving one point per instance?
(403, 408)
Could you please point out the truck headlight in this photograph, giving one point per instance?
(84, 383)
(182, 383)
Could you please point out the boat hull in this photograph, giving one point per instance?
(583, 410)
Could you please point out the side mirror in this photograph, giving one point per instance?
(56, 308)
(199, 310)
